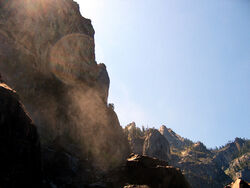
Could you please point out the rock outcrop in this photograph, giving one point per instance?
(155, 145)
(144, 171)
(147, 142)
(20, 158)
(47, 54)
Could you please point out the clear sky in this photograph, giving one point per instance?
(184, 64)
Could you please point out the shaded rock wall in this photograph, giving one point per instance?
(20, 158)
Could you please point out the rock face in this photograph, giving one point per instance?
(47, 54)
(143, 171)
(20, 158)
(147, 142)
(156, 145)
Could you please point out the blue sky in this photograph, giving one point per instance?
(184, 64)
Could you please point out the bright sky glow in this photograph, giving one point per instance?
(185, 64)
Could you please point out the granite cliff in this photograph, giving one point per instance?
(47, 54)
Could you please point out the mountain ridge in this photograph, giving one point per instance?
(203, 167)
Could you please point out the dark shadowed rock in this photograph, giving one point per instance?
(136, 186)
(20, 158)
(143, 171)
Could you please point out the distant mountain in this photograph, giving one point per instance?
(202, 167)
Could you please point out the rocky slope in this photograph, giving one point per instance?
(207, 168)
(47, 54)
(20, 158)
